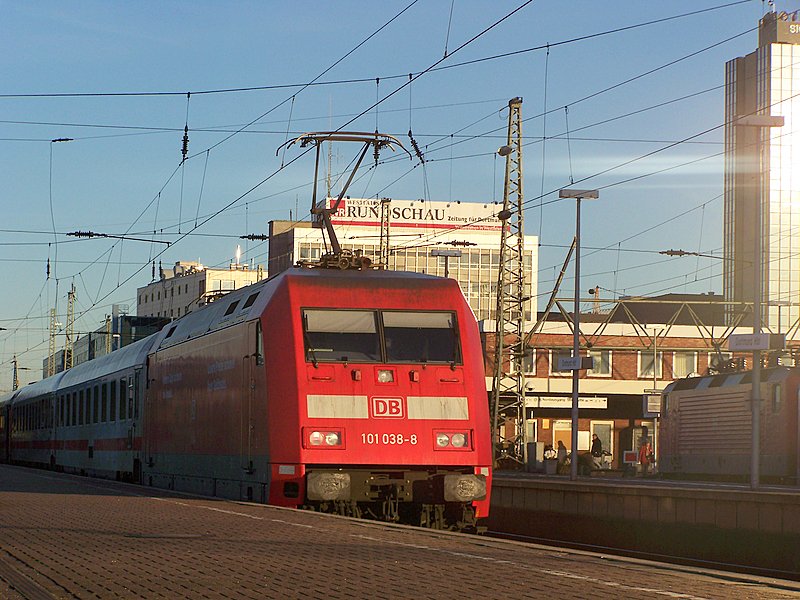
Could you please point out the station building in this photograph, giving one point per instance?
(638, 347)
(189, 285)
(454, 239)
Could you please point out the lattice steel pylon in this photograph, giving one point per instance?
(70, 330)
(51, 354)
(384, 245)
(508, 386)
(108, 334)
(15, 374)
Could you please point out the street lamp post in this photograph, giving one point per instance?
(759, 122)
(576, 365)
(447, 255)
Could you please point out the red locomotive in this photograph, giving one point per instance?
(353, 392)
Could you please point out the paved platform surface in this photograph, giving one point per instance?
(70, 537)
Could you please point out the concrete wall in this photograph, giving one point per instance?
(762, 529)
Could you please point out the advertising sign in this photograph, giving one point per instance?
(598, 402)
(469, 216)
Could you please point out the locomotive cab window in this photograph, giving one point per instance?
(341, 336)
(421, 337)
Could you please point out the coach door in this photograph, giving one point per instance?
(253, 361)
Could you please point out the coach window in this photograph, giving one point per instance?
(80, 407)
(112, 405)
(95, 411)
(123, 413)
(341, 336)
(133, 399)
(104, 402)
(421, 337)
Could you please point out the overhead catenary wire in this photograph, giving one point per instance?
(314, 82)
(241, 196)
(451, 138)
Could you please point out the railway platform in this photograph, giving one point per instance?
(65, 536)
(715, 522)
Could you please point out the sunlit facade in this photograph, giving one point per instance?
(764, 163)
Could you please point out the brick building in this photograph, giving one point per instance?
(638, 348)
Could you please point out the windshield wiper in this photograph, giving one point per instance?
(310, 348)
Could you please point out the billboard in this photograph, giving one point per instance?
(466, 216)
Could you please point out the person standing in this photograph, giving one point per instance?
(562, 456)
(645, 456)
(597, 451)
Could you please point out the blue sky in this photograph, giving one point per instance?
(120, 173)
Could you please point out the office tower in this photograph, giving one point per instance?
(763, 164)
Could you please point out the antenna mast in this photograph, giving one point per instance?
(508, 386)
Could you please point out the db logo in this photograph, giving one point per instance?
(387, 408)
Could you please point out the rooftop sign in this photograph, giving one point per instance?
(467, 216)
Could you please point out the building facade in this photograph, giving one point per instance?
(120, 330)
(763, 165)
(638, 347)
(455, 239)
(189, 285)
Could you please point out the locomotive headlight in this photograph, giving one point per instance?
(385, 376)
(321, 439)
(459, 440)
(452, 440)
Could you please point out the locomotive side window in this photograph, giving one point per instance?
(341, 336)
(421, 337)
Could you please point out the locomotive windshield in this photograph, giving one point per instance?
(420, 337)
(396, 337)
(341, 336)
